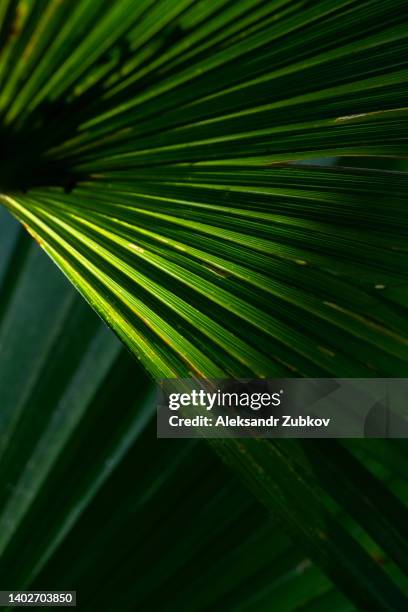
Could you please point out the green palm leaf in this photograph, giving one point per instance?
(92, 501)
(179, 257)
(181, 264)
(146, 151)
(67, 462)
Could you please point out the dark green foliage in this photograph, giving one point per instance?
(148, 147)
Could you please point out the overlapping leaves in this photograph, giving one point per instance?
(144, 147)
(207, 268)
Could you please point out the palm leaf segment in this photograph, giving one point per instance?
(165, 120)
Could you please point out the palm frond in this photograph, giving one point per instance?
(90, 497)
(299, 260)
(147, 148)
